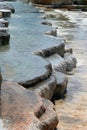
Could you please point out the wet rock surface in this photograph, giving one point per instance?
(4, 38)
(6, 6)
(61, 86)
(5, 12)
(24, 109)
(37, 69)
(58, 63)
(4, 22)
(77, 7)
(70, 61)
(46, 88)
(30, 108)
(54, 3)
(56, 49)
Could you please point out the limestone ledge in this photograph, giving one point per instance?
(24, 109)
(5, 11)
(31, 108)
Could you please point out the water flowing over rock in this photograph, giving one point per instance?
(30, 82)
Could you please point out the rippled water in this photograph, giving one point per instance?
(72, 111)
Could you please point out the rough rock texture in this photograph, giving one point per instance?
(61, 86)
(46, 88)
(30, 109)
(49, 123)
(70, 61)
(58, 63)
(23, 109)
(60, 49)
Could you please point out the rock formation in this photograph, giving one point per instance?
(53, 2)
(25, 95)
(24, 109)
(0, 78)
(5, 10)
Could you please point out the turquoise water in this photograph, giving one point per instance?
(27, 37)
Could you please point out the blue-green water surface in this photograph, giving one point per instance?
(27, 37)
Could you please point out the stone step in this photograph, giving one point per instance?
(70, 61)
(58, 63)
(45, 89)
(4, 38)
(4, 22)
(5, 12)
(61, 86)
(3, 29)
(52, 88)
(38, 77)
(60, 49)
(22, 109)
(7, 6)
(49, 118)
